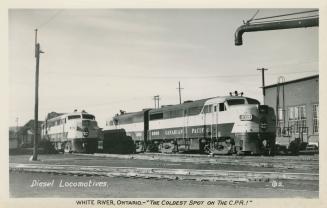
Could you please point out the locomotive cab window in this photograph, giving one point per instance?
(88, 116)
(252, 101)
(236, 102)
(222, 107)
(74, 117)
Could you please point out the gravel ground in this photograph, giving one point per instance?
(21, 182)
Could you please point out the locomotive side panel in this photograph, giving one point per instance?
(170, 127)
(196, 128)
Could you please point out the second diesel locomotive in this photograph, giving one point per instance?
(219, 125)
(71, 132)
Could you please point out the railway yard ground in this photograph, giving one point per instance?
(158, 175)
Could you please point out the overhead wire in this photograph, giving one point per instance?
(247, 22)
(94, 105)
(278, 20)
(49, 20)
(182, 77)
(289, 14)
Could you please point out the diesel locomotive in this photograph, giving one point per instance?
(71, 132)
(219, 125)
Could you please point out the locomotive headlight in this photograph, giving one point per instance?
(263, 125)
(247, 117)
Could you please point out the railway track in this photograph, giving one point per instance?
(277, 158)
(164, 173)
(267, 162)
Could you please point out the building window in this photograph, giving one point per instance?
(297, 119)
(280, 114)
(280, 122)
(316, 118)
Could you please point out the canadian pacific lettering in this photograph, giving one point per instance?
(174, 132)
(197, 130)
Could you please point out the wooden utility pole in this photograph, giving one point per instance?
(17, 129)
(36, 107)
(263, 82)
(179, 90)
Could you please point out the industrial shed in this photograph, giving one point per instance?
(297, 104)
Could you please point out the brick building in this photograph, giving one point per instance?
(13, 137)
(298, 113)
(26, 134)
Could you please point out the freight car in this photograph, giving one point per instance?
(219, 125)
(71, 132)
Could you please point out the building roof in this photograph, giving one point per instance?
(294, 81)
(15, 128)
(29, 126)
(53, 115)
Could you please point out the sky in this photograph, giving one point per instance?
(106, 60)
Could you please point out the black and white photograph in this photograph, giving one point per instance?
(168, 106)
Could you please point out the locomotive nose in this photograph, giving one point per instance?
(263, 124)
(85, 132)
(263, 109)
(264, 114)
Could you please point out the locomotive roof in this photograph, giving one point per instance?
(130, 114)
(55, 115)
(195, 103)
(223, 98)
(181, 106)
(187, 104)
